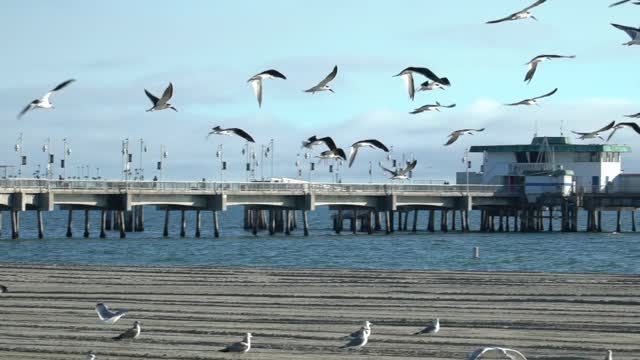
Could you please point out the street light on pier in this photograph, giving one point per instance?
(143, 149)
(223, 164)
(22, 159)
(163, 155)
(46, 148)
(63, 163)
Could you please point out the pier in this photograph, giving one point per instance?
(284, 207)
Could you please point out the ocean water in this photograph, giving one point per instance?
(605, 252)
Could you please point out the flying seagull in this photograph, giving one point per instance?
(400, 174)
(3, 289)
(256, 82)
(522, 14)
(456, 134)
(632, 32)
(44, 102)
(240, 346)
(336, 154)
(507, 353)
(107, 316)
(90, 356)
(366, 327)
(359, 340)
(533, 64)
(594, 134)
(430, 329)
(324, 84)
(609, 355)
(163, 102)
(315, 141)
(372, 143)
(533, 101)
(623, 125)
(431, 107)
(231, 131)
(623, 2)
(131, 333)
(635, 116)
(437, 82)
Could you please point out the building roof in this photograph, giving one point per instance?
(556, 144)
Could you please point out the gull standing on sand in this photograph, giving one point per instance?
(623, 2)
(231, 131)
(256, 82)
(609, 355)
(533, 101)
(533, 64)
(107, 316)
(400, 174)
(431, 329)
(507, 353)
(45, 101)
(372, 143)
(240, 346)
(431, 107)
(90, 356)
(437, 82)
(623, 125)
(594, 134)
(131, 333)
(163, 102)
(324, 84)
(456, 134)
(367, 328)
(522, 14)
(359, 340)
(634, 34)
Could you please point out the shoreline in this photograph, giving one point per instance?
(191, 312)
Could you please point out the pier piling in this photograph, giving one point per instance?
(305, 222)
(183, 223)
(87, 224)
(103, 224)
(121, 224)
(198, 223)
(70, 224)
(165, 230)
(40, 224)
(216, 227)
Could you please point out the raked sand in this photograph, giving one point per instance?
(190, 313)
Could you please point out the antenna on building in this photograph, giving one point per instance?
(562, 127)
(535, 128)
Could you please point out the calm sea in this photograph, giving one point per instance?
(549, 252)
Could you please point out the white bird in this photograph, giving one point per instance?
(456, 134)
(623, 125)
(256, 82)
(131, 333)
(533, 64)
(430, 329)
(623, 2)
(609, 355)
(107, 316)
(400, 174)
(372, 143)
(507, 353)
(431, 107)
(407, 76)
(533, 101)
(231, 131)
(90, 356)
(594, 134)
(367, 328)
(359, 340)
(632, 32)
(522, 14)
(240, 346)
(163, 102)
(324, 84)
(45, 101)
(333, 154)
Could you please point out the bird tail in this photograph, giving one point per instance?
(117, 338)
(445, 81)
(418, 333)
(224, 350)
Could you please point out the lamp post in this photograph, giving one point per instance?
(467, 165)
(163, 155)
(67, 152)
(125, 159)
(272, 153)
(46, 148)
(143, 149)
(22, 159)
(223, 164)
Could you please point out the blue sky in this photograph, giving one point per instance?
(209, 49)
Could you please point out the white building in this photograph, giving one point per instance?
(591, 166)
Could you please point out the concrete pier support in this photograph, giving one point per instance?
(271, 226)
(287, 222)
(431, 221)
(551, 219)
(198, 223)
(501, 221)
(305, 222)
(216, 226)
(15, 224)
(254, 221)
(165, 230)
(103, 224)
(121, 223)
(70, 224)
(0, 224)
(599, 220)
(108, 220)
(415, 221)
(140, 219)
(40, 224)
(87, 224)
(387, 221)
(391, 222)
(378, 225)
(618, 222)
(354, 221)
(453, 220)
(444, 219)
(183, 223)
(633, 220)
(371, 220)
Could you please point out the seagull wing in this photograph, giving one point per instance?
(448, 106)
(426, 73)
(546, 95)
(329, 142)
(611, 135)
(151, 97)
(239, 346)
(377, 144)
(274, 73)
(453, 137)
(387, 170)
(329, 77)
(514, 354)
(518, 103)
(632, 125)
(479, 352)
(62, 85)
(619, 3)
(635, 116)
(532, 70)
(168, 93)
(410, 166)
(352, 154)
(508, 18)
(426, 330)
(340, 154)
(257, 90)
(27, 108)
(129, 334)
(408, 81)
(632, 32)
(103, 312)
(581, 133)
(609, 126)
(243, 134)
(537, 3)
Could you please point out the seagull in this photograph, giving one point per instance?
(256, 82)
(162, 103)
(359, 340)
(330, 154)
(456, 134)
(431, 107)
(372, 143)
(594, 134)
(131, 333)
(44, 102)
(622, 125)
(609, 355)
(366, 327)
(240, 346)
(622, 2)
(533, 64)
(314, 141)
(634, 116)
(632, 32)
(401, 174)
(430, 329)
(3, 289)
(231, 131)
(507, 353)
(324, 84)
(522, 14)
(533, 101)
(437, 82)
(90, 356)
(107, 316)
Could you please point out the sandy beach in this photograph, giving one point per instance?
(190, 313)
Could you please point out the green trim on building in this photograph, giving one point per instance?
(556, 144)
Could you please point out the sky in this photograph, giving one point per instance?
(208, 50)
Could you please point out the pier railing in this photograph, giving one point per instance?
(206, 186)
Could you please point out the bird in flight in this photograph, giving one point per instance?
(400, 174)
(507, 353)
(533, 101)
(231, 131)
(430, 329)
(107, 316)
(522, 14)
(533, 64)
(634, 34)
(240, 346)
(431, 107)
(456, 134)
(324, 84)
(256, 82)
(315, 141)
(131, 333)
(623, 2)
(635, 116)
(623, 125)
(163, 102)
(45, 101)
(594, 134)
(372, 143)
(436, 82)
